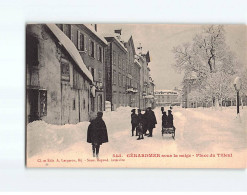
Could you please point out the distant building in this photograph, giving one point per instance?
(58, 83)
(167, 98)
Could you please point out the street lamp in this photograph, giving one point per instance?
(237, 85)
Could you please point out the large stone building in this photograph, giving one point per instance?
(116, 72)
(167, 98)
(91, 47)
(133, 75)
(72, 70)
(58, 83)
(145, 96)
(150, 98)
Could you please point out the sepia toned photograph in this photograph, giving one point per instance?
(136, 95)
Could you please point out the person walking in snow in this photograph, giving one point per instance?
(140, 125)
(151, 121)
(97, 133)
(134, 121)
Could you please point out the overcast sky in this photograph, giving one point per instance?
(160, 39)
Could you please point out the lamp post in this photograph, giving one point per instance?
(237, 85)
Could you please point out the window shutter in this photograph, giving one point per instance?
(89, 47)
(94, 50)
(78, 40)
(85, 43)
(98, 53)
(71, 33)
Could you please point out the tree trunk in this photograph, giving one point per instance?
(242, 103)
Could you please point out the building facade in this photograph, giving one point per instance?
(133, 76)
(91, 47)
(151, 96)
(116, 72)
(167, 98)
(58, 84)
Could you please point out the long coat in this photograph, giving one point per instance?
(140, 127)
(170, 120)
(164, 120)
(97, 132)
(151, 119)
(134, 119)
(145, 121)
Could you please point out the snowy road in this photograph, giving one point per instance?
(198, 131)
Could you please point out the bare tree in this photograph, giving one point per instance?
(209, 58)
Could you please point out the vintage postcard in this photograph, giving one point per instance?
(136, 95)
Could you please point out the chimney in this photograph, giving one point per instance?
(118, 31)
(140, 48)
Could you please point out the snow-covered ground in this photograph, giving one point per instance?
(198, 131)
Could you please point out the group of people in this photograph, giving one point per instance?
(167, 120)
(141, 123)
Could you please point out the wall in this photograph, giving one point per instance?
(61, 94)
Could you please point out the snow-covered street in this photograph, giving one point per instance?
(199, 133)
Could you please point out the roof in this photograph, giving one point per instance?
(97, 34)
(132, 44)
(71, 49)
(148, 57)
(117, 40)
(138, 63)
(165, 91)
(149, 97)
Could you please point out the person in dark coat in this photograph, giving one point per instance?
(145, 122)
(140, 125)
(151, 121)
(97, 133)
(164, 119)
(170, 119)
(134, 121)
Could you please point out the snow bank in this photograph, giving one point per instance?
(197, 130)
(42, 136)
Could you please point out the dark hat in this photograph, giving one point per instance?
(133, 110)
(169, 111)
(100, 114)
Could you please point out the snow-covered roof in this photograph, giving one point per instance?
(97, 34)
(138, 63)
(165, 91)
(117, 39)
(149, 97)
(71, 49)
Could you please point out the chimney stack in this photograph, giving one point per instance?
(118, 31)
(140, 48)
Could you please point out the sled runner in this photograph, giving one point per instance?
(170, 130)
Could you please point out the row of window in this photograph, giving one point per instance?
(82, 43)
(123, 80)
(118, 61)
